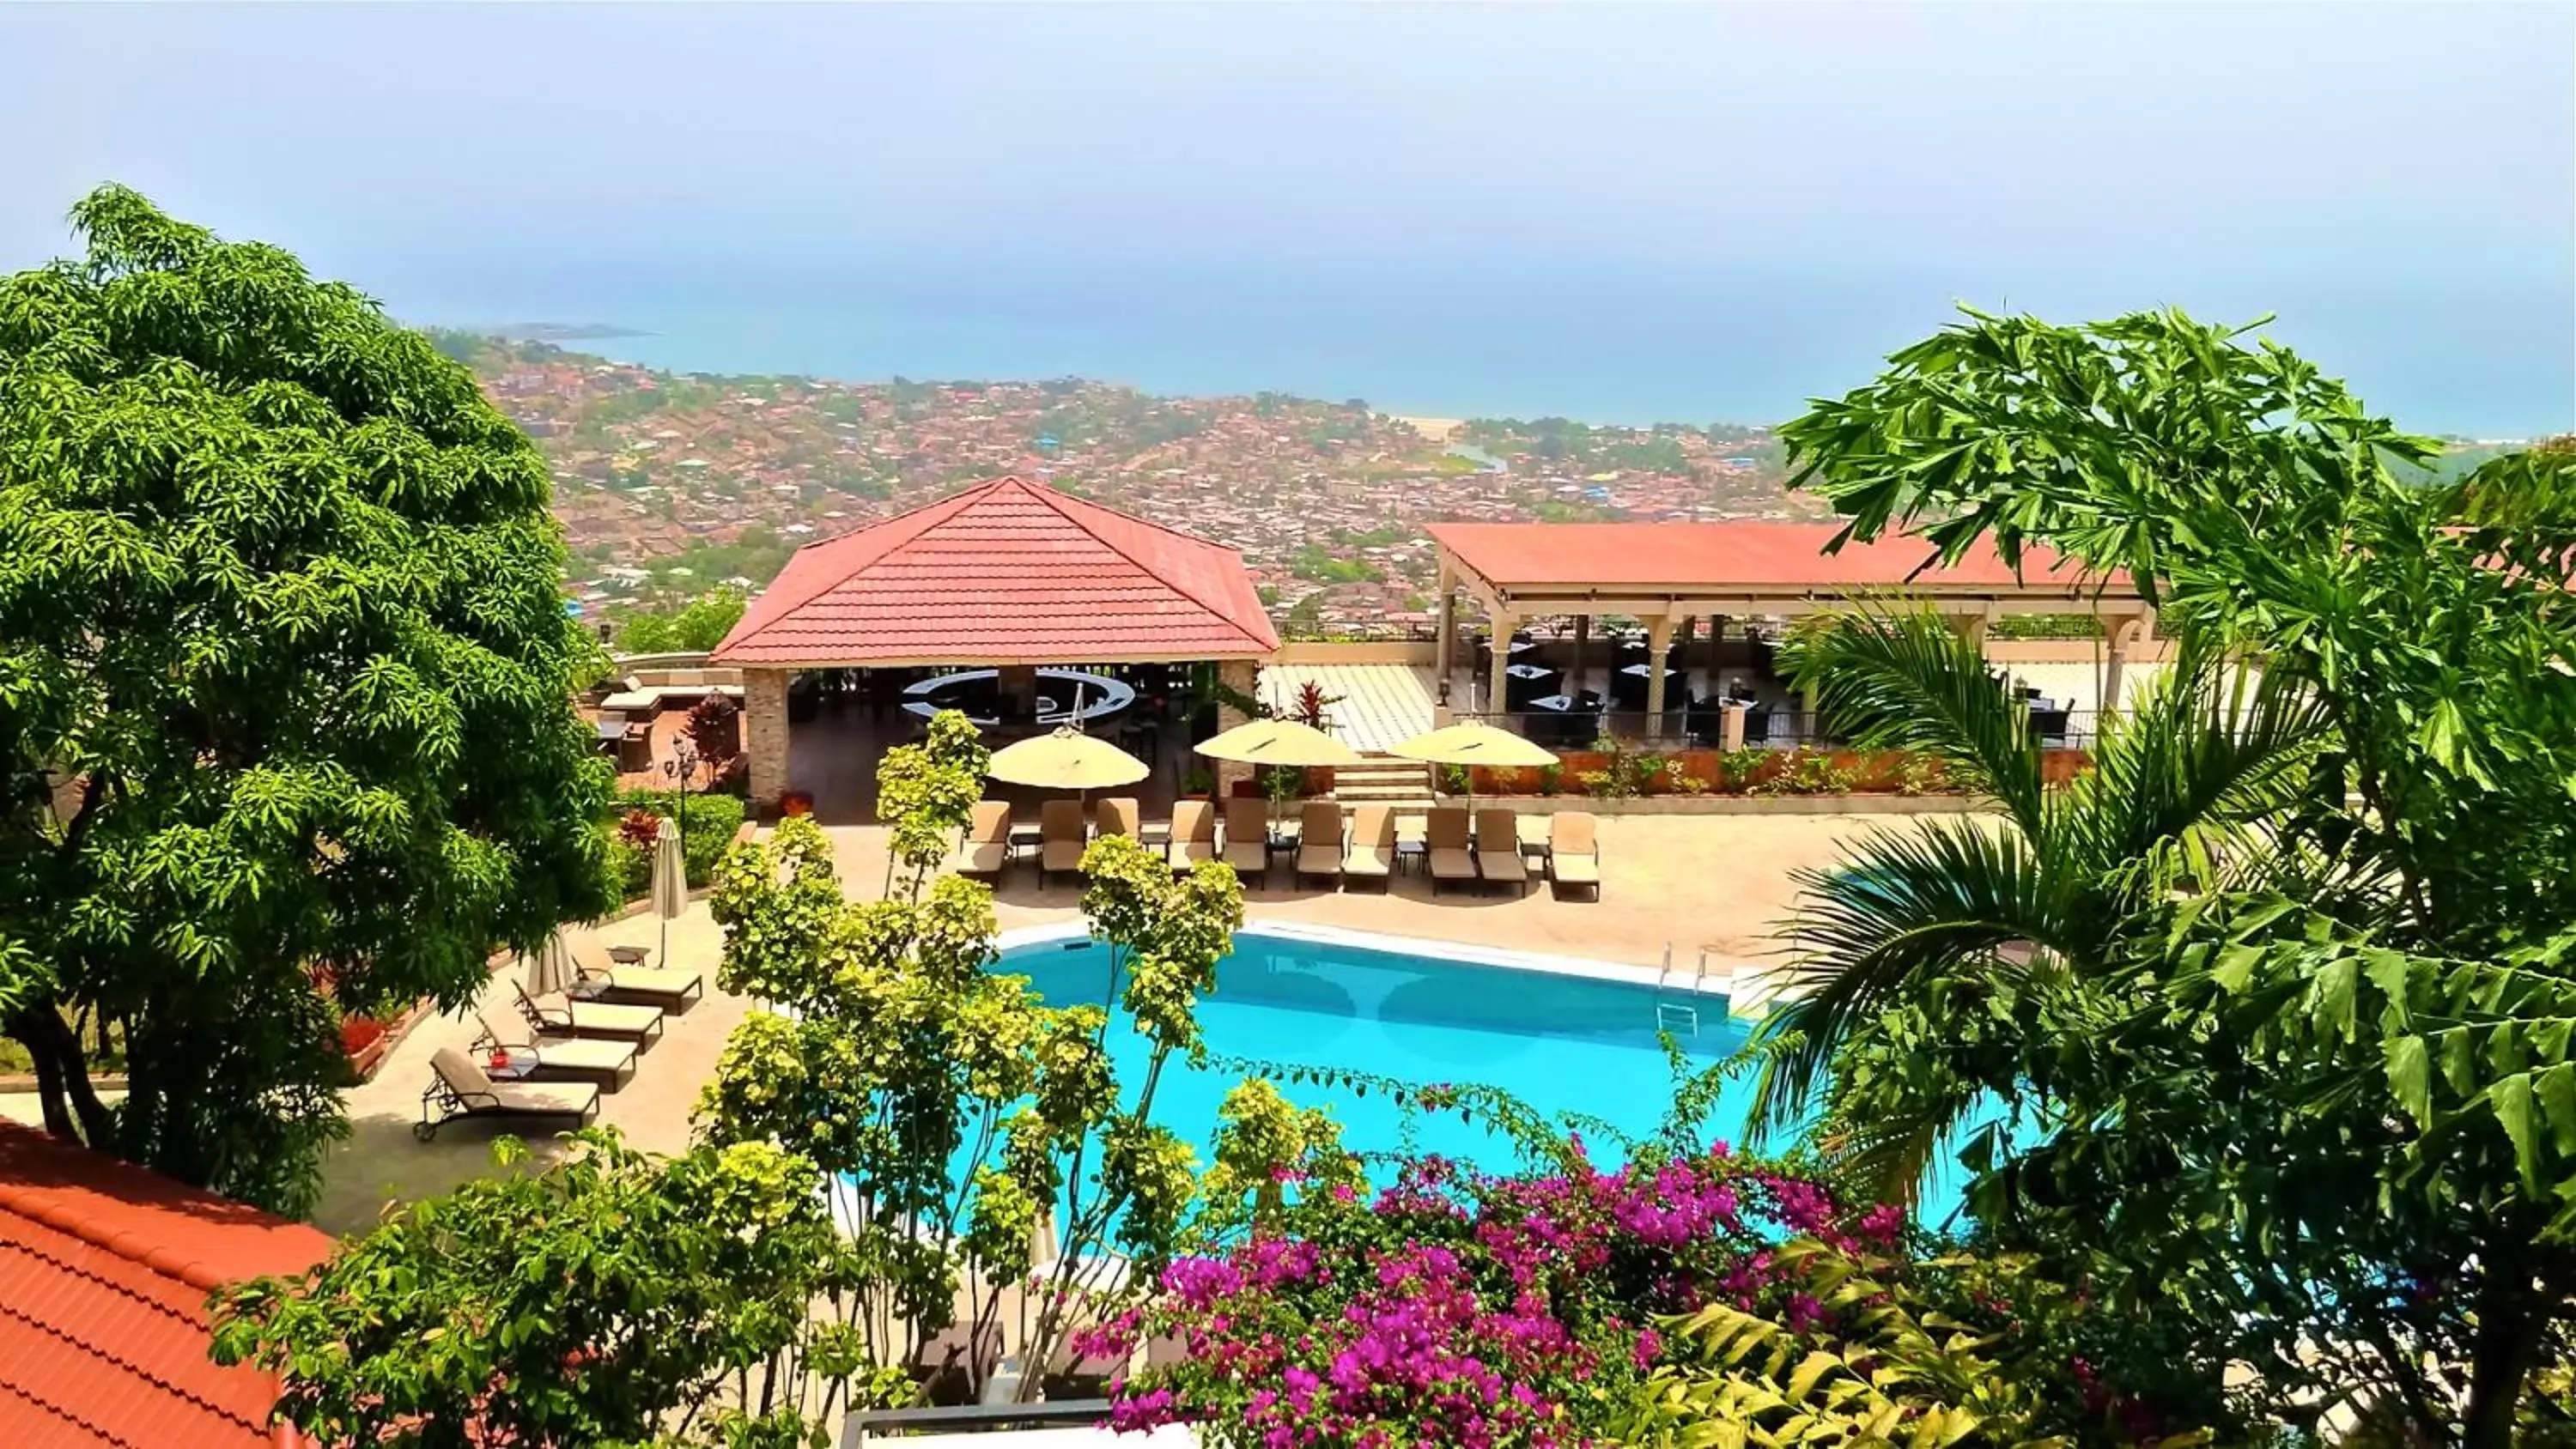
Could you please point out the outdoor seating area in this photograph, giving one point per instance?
(581, 1014)
(1325, 845)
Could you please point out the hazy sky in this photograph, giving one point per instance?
(2400, 180)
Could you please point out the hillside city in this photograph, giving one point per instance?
(671, 484)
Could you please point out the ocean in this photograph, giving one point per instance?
(1633, 345)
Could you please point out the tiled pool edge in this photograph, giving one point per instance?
(1425, 946)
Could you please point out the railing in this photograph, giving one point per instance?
(1703, 727)
(885, 1424)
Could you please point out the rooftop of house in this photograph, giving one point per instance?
(1010, 572)
(105, 1270)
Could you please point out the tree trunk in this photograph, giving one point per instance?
(62, 1076)
(2512, 1319)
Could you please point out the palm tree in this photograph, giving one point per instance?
(1942, 964)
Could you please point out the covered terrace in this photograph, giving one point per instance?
(1746, 574)
(1025, 607)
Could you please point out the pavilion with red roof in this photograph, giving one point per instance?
(1009, 574)
(1666, 575)
(104, 1273)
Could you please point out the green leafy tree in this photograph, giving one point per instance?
(2340, 1126)
(898, 1055)
(614, 1298)
(284, 690)
(927, 792)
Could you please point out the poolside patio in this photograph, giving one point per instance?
(1662, 873)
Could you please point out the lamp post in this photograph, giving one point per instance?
(683, 767)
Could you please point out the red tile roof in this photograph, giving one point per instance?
(104, 1272)
(1743, 555)
(1008, 572)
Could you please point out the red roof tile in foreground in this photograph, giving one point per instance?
(1008, 572)
(104, 1272)
(1747, 555)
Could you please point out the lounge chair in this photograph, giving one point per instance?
(617, 973)
(1061, 838)
(606, 1064)
(1319, 841)
(614, 1020)
(1372, 852)
(1445, 839)
(950, 1364)
(458, 1088)
(1118, 815)
(1574, 853)
(1193, 834)
(1247, 836)
(1498, 849)
(986, 846)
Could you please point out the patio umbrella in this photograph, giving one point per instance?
(1282, 742)
(670, 882)
(1064, 760)
(1476, 743)
(550, 969)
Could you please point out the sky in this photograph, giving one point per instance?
(1736, 204)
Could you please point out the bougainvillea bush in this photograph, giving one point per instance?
(1542, 1308)
(1454, 1308)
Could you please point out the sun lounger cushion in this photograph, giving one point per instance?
(1372, 851)
(1445, 839)
(1247, 835)
(1573, 850)
(986, 847)
(1061, 836)
(559, 1057)
(1319, 839)
(1498, 847)
(670, 989)
(1118, 816)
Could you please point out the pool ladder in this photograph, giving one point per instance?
(1673, 1016)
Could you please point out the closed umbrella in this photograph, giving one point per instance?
(1064, 760)
(1476, 743)
(670, 882)
(551, 969)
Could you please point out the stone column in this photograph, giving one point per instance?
(1659, 637)
(764, 735)
(1244, 676)
(1501, 625)
(1447, 637)
(1574, 674)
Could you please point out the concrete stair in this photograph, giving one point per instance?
(1382, 779)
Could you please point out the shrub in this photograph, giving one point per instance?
(706, 830)
(1453, 779)
(715, 727)
(1551, 779)
(1807, 772)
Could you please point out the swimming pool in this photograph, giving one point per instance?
(1563, 1036)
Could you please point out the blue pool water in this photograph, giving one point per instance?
(1561, 1043)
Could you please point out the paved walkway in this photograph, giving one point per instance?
(380, 1161)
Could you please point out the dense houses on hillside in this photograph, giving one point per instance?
(668, 484)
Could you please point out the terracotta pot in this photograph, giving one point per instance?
(796, 802)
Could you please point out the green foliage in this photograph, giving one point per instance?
(1283, 783)
(280, 620)
(896, 1053)
(927, 793)
(694, 627)
(611, 1298)
(1916, 1355)
(708, 825)
(2299, 1052)
(1454, 779)
(1806, 772)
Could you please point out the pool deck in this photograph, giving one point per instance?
(1719, 882)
